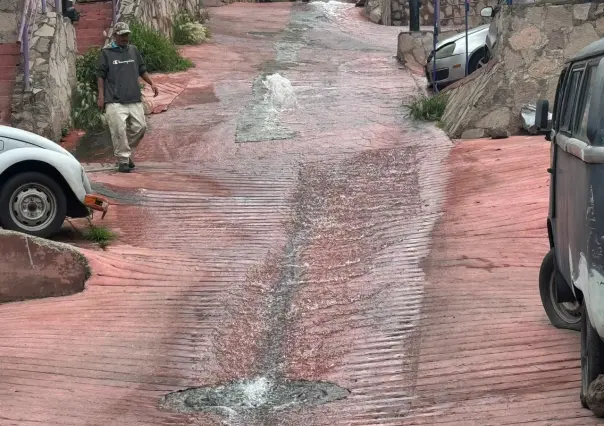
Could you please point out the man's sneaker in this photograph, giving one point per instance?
(123, 168)
(131, 163)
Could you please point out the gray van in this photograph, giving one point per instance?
(571, 279)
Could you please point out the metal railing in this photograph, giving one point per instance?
(116, 5)
(28, 20)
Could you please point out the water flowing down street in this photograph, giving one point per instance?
(294, 250)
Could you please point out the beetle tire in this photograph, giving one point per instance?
(20, 179)
(592, 356)
(546, 274)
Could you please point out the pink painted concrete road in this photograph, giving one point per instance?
(297, 245)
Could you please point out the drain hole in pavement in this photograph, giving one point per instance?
(256, 394)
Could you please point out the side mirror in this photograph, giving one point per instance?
(595, 133)
(542, 115)
(486, 12)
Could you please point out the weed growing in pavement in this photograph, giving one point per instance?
(187, 30)
(428, 108)
(100, 235)
(159, 52)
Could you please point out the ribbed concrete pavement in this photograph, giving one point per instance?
(243, 255)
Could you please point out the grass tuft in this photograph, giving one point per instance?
(100, 235)
(428, 108)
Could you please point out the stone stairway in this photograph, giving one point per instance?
(95, 18)
(10, 57)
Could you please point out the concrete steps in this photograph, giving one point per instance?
(95, 18)
(10, 58)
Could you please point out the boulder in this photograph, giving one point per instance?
(474, 134)
(34, 267)
(595, 396)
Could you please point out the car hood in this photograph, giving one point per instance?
(32, 139)
(461, 35)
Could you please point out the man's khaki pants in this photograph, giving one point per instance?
(127, 127)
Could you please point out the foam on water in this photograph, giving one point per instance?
(281, 93)
(255, 391)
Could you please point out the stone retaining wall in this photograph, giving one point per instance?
(46, 108)
(158, 14)
(533, 42)
(414, 48)
(452, 13)
(10, 10)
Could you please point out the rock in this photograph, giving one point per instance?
(376, 15)
(580, 38)
(34, 267)
(498, 133)
(43, 45)
(595, 396)
(474, 134)
(45, 31)
(581, 11)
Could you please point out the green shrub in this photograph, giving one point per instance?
(187, 30)
(428, 108)
(85, 113)
(159, 52)
(87, 66)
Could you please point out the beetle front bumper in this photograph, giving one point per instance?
(96, 202)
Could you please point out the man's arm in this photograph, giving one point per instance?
(142, 71)
(102, 71)
(147, 78)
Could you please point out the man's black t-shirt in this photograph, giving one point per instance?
(121, 68)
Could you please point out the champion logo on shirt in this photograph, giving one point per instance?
(129, 61)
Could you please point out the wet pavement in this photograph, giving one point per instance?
(279, 260)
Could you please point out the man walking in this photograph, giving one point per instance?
(120, 66)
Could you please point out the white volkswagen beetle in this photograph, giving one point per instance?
(41, 184)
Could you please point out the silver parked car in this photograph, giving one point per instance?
(450, 56)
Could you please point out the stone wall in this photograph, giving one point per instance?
(158, 14)
(46, 108)
(9, 20)
(533, 42)
(378, 11)
(413, 48)
(452, 12)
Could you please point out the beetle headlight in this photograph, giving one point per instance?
(445, 51)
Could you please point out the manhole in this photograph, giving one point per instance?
(262, 394)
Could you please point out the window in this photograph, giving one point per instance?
(583, 108)
(570, 98)
(558, 99)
